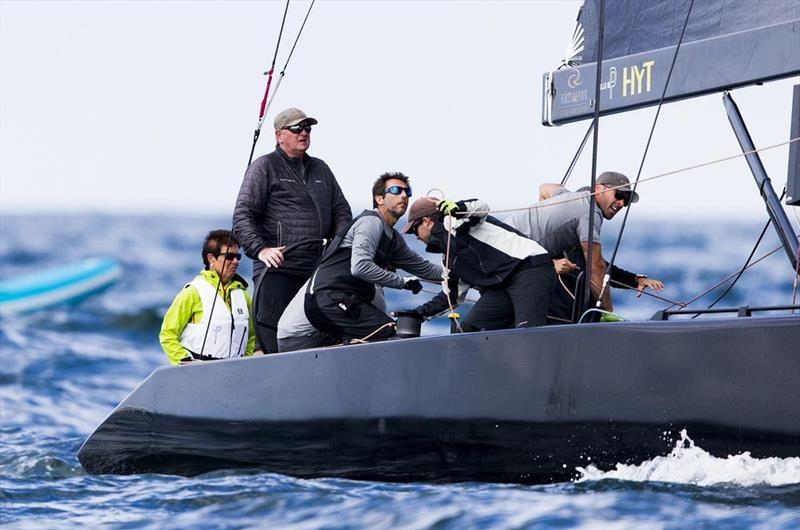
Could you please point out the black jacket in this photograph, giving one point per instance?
(483, 250)
(284, 200)
(334, 270)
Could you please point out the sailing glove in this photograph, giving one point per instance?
(448, 207)
(412, 284)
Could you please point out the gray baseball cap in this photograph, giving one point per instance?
(617, 181)
(292, 116)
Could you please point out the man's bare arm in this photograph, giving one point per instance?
(598, 271)
(547, 190)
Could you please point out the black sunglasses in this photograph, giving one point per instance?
(230, 256)
(397, 190)
(624, 196)
(297, 129)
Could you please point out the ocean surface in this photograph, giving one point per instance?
(63, 370)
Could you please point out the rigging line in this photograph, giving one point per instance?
(646, 149)
(647, 293)
(289, 58)
(725, 279)
(796, 275)
(470, 300)
(263, 109)
(747, 261)
(577, 154)
(587, 296)
(646, 179)
(450, 220)
(256, 134)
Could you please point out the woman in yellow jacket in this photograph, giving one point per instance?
(218, 295)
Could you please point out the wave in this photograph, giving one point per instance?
(690, 464)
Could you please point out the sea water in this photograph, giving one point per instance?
(63, 370)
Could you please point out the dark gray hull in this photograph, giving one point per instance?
(524, 405)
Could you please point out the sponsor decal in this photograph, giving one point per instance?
(636, 80)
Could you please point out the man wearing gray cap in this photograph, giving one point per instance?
(560, 223)
(287, 198)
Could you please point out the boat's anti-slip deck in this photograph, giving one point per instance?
(400, 449)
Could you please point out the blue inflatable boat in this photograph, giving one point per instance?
(62, 285)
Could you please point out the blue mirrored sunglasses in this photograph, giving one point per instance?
(397, 190)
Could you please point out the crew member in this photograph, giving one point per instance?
(340, 298)
(295, 331)
(218, 295)
(560, 223)
(513, 273)
(286, 197)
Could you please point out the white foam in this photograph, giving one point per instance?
(689, 464)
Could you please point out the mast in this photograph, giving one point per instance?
(776, 212)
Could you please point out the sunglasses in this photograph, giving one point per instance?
(297, 129)
(230, 256)
(414, 227)
(397, 190)
(624, 196)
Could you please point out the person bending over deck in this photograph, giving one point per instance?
(560, 223)
(513, 273)
(295, 331)
(339, 299)
(185, 332)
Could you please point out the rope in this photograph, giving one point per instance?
(577, 154)
(796, 275)
(447, 272)
(595, 310)
(263, 108)
(289, 58)
(705, 292)
(752, 252)
(647, 179)
(595, 142)
(644, 154)
(365, 339)
(647, 293)
(565, 287)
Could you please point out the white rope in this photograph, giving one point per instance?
(597, 310)
(647, 179)
(366, 339)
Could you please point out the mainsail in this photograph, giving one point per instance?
(728, 43)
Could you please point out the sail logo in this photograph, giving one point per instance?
(633, 76)
(611, 83)
(574, 80)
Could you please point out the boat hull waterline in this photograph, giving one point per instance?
(525, 406)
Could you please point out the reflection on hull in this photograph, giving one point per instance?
(401, 449)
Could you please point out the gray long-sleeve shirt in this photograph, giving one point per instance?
(364, 237)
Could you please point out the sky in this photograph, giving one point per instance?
(150, 107)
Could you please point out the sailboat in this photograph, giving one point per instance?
(520, 405)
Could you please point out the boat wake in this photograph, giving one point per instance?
(690, 464)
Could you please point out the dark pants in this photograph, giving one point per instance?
(344, 315)
(274, 293)
(519, 302)
(317, 339)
